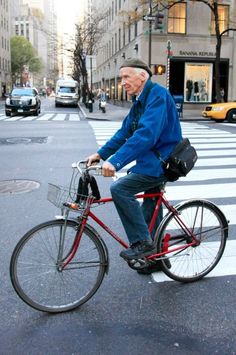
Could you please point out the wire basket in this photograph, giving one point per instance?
(59, 195)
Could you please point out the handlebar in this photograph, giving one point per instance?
(81, 166)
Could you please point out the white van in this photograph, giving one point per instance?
(67, 93)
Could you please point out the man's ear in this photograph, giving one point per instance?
(142, 75)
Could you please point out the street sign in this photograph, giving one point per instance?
(149, 18)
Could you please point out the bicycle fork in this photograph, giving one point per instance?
(62, 262)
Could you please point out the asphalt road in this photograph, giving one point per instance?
(130, 313)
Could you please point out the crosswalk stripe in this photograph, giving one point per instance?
(59, 117)
(74, 117)
(42, 117)
(28, 118)
(45, 117)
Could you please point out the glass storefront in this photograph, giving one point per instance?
(198, 82)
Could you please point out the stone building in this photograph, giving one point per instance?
(181, 54)
(5, 55)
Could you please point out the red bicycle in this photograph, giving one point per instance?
(60, 264)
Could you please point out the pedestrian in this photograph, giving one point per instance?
(152, 125)
(101, 97)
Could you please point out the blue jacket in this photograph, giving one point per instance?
(157, 128)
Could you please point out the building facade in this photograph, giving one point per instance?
(181, 53)
(5, 53)
(36, 21)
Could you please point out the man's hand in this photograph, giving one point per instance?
(93, 159)
(108, 169)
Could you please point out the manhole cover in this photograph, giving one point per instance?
(17, 186)
(23, 140)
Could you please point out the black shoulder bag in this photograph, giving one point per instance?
(181, 160)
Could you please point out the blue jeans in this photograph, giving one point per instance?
(135, 218)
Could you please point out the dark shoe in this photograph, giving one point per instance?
(139, 250)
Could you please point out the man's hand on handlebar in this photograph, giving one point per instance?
(108, 169)
(93, 159)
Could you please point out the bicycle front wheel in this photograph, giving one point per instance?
(209, 227)
(37, 277)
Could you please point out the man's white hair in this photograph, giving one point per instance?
(141, 70)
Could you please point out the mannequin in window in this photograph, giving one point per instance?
(196, 91)
(202, 91)
(222, 95)
(189, 87)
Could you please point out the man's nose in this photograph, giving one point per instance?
(123, 82)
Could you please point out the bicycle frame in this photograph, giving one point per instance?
(161, 200)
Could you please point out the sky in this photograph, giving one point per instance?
(68, 11)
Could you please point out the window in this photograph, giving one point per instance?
(198, 82)
(223, 12)
(119, 39)
(177, 18)
(123, 34)
(129, 30)
(136, 23)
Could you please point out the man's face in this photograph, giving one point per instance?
(132, 81)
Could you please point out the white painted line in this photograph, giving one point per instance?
(213, 139)
(45, 117)
(28, 118)
(216, 161)
(225, 267)
(213, 145)
(74, 117)
(209, 174)
(59, 117)
(200, 191)
(13, 118)
(208, 152)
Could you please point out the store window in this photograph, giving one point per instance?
(198, 82)
(177, 18)
(223, 12)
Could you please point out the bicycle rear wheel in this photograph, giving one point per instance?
(38, 280)
(209, 227)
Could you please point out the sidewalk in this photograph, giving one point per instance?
(117, 113)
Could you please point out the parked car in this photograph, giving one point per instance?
(23, 100)
(221, 111)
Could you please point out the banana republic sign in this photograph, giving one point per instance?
(196, 54)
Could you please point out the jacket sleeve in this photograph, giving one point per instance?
(115, 142)
(147, 134)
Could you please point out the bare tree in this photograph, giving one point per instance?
(87, 38)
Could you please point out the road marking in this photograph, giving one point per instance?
(29, 118)
(59, 117)
(74, 117)
(225, 267)
(13, 118)
(45, 117)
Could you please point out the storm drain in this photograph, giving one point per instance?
(17, 186)
(23, 140)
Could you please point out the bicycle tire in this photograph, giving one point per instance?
(35, 275)
(209, 226)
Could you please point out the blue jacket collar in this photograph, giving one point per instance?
(143, 96)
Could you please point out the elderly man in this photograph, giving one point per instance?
(152, 125)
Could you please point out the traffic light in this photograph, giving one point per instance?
(159, 19)
(159, 69)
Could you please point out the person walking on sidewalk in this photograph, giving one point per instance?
(102, 97)
(152, 125)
